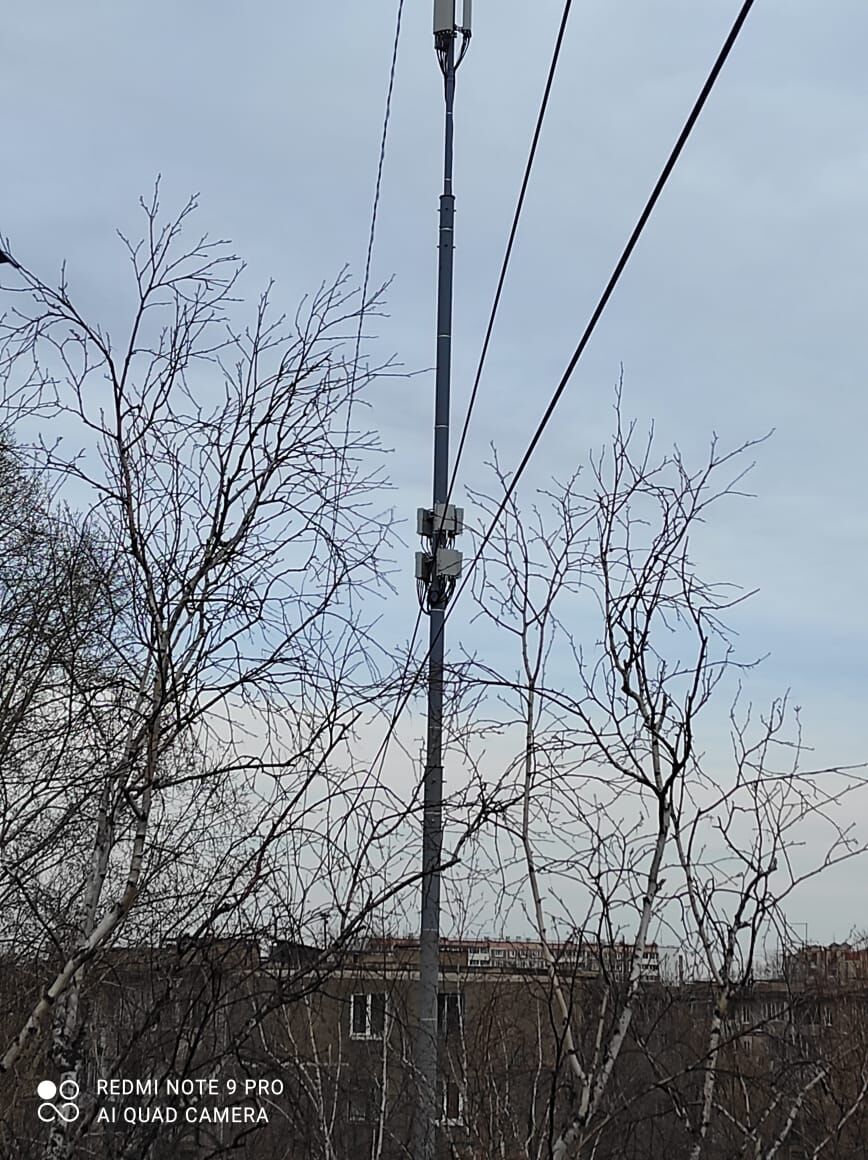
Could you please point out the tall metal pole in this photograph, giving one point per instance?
(436, 571)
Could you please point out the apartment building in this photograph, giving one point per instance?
(328, 1044)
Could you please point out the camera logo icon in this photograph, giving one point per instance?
(58, 1101)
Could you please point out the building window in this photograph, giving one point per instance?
(771, 1011)
(450, 1012)
(451, 1103)
(368, 1016)
(358, 1109)
(364, 1103)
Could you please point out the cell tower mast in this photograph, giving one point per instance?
(437, 569)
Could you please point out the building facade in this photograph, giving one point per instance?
(322, 1048)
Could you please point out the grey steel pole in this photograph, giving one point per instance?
(442, 528)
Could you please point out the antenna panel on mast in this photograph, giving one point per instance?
(444, 16)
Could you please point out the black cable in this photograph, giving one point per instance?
(509, 245)
(381, 755)
(621, 264)
(665, 174)
(339, 489)
(380, 165)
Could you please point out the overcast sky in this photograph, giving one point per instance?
(743, 308)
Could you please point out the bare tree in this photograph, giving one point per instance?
(180, 755)
(625, 828)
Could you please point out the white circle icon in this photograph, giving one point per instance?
(68, 1111)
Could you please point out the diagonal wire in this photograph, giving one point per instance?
(404, 691)
(380, 165)
(366, 280)
(511, 241)
(358, 340)
(620, 266)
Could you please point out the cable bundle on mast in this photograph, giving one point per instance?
(445, 31)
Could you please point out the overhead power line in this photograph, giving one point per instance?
(369, 253)
(402, 699)
(380, 166)
(620, 266)
(511, 240)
